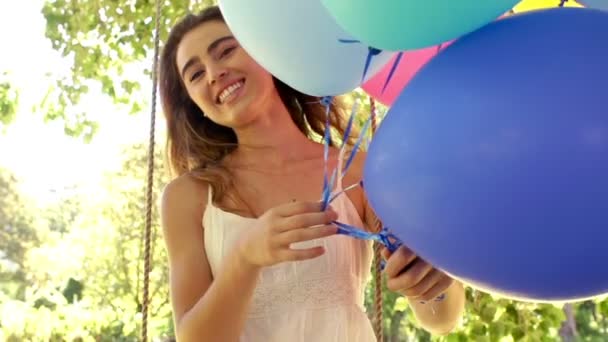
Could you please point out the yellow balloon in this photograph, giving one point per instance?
(529, 5)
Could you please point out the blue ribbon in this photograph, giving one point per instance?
(327, 186)
(372, 51)
(384, 237)
(392, 71)
(357, 145)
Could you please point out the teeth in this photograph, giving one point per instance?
(226, 92)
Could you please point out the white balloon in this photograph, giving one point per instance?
(301, 44)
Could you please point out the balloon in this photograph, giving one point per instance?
(599, 4)
(299, 43)
(413, 24)
(406, 68)
(387, 84)
(529, 5)
(493, 162)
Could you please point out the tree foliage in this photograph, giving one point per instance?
(17, 236)
(110, 45)
(83, 279)
(9, 101)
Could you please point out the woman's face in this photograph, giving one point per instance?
(221, 78)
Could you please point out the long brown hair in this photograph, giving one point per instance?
(197, 145)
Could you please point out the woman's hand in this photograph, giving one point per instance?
(413, 277)
(268, 241)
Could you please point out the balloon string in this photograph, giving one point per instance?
(392, 71)
(356, 146)
(385, 237)
(372, 51)
(327, 184)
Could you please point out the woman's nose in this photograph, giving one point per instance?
(217, 74)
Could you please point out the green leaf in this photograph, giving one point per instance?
(478, 329)
(603, 307)
(488, 312)
(518, 333)
(497, 330)
(9, 101)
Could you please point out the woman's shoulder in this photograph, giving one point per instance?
(184, 196)
(186, 185)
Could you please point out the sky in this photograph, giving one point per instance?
(39, 154)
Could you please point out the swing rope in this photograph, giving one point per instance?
(150, 185)
(378, 297)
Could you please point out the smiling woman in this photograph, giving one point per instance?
(253, 254)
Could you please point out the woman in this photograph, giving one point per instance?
(252, 254)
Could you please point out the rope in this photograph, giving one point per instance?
(148, 227)
(378, 302)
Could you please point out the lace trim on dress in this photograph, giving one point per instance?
(309, 294)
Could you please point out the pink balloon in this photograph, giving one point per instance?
(409, 64)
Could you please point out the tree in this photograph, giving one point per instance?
(90, 262)
(9, 101)
(105, 40)
(115, 269)
(17, 235)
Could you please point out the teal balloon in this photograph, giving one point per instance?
(413, 24)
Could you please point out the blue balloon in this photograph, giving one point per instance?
(493, 162)
(300, 43)
(599, 4)
(414, 24)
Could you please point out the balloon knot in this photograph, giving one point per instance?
(326, 100)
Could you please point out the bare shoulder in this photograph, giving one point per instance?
(183, 203)
(184, 195)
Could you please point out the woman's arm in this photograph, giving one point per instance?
(204, 309)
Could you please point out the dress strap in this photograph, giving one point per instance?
(209, 195)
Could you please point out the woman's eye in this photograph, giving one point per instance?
(227, 51)
(196, 75)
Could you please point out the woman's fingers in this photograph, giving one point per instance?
(397, 261)
(306, 234)
(424, 285)
(440, 287)
(306, 220)
(411, 277)
(301, 254)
